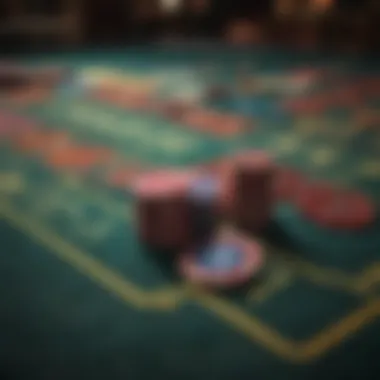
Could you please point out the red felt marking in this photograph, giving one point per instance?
(38, 141)
(122, 98)
(11, 125)
(312, 105)
(215, 123)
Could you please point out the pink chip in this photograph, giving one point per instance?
(163, 183)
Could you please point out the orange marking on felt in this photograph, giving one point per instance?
(122, 98)
(311, 105)
(123, 176)
(78, 158)
(213, 122)
(37, 141)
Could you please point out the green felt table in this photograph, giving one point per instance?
(82, 299)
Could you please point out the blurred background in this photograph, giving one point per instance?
(327, 24)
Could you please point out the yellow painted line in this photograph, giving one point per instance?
(163, 299)
(300, 352)
(248, 325)
(370, 278)
(339, 332)
(279, 280)
(327, 277)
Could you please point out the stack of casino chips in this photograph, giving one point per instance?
(163, 209)
(248, 194)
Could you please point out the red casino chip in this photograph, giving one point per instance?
(312, 197)
(163, 183)
(336, 208)
(287, 184)
(230, 261)
(162, 208)
(347, 210)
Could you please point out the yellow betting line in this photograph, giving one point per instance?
(165, 299)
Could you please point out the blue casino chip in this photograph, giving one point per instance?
(221, 257)
(204, 189)
(230, 260)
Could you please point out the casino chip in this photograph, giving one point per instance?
(287, 184)
(313, 196)
(162, 183)
(229, 261)
(163, 208)
(248, 195)
(336, 208)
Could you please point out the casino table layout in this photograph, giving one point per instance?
(81, 298)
